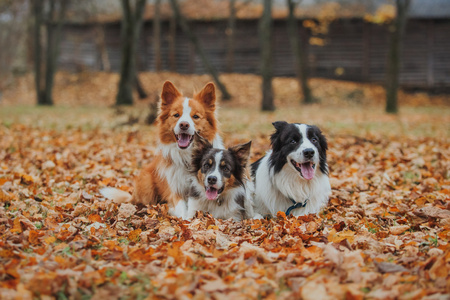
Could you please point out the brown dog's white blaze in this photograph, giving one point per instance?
(197, 115)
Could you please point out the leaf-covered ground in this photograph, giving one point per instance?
(384, 235)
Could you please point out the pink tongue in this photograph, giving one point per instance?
(211, 193)
(183, 140)
(307, 171)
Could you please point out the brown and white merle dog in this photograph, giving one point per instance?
(293, 176)
(222, 186)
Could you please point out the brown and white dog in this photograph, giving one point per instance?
(167, 179)
(223, 184)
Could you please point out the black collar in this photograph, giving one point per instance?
(295, 205)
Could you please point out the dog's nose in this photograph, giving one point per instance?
(212, 179)
(308, 153)
(184, 125)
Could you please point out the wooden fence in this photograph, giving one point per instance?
(354, 50)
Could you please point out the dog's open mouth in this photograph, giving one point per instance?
(306, 169)
(184, 140)
(212, 193)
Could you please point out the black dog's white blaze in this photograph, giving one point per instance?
(302, 146)
(294, 171)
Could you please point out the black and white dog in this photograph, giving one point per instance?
(293, 176)
(222, 184)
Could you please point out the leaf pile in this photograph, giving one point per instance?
(384, 234)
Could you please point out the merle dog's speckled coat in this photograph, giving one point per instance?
(223, 186)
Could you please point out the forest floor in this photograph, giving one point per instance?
(384, 234)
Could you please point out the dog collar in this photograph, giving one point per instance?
(295, 205)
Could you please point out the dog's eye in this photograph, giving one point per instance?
(206, 165)
(314, 140)
(293, 141)
(225, 168)
(176, 115)
(195, 116)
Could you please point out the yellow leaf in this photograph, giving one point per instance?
(337, 237)
(50, 240)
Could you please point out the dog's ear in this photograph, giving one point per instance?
(207, 95)
(279, 125)
(241, 152)
(323, 149)
(169, 94)
(201, 145)
(322, 139)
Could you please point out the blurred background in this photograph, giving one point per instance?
(260, 53)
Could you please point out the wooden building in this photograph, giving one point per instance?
(354, 49)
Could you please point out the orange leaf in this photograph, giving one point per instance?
(34, 236)
(4, 196)
(17, 227)
(60, 260)
(281, 215)
(95, 218)
(6, 253)
(134, 235)
(26, 179)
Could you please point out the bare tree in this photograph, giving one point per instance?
(131, 28)
(394, 56)
(231, 29)
(265, 31)
(157, 35)
(53, 21)
(298, 49)
(199, 49)
(172, 40)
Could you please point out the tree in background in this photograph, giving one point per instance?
(265, 31)
(157, 35)
(199, 49)
(394, 57)
(171, 42)
(298, 49)
(130, 32)
(231, 29)
(45, 64)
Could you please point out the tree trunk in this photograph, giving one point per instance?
(101, 46)
(394, 56)
(231, 36)
(38, 16)
(172, 40)
(131, 25)
(44, 78)
(140, 88)
(199, 49)
(157, 36)
(301, 60)
(265, 32)
(53, 40)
